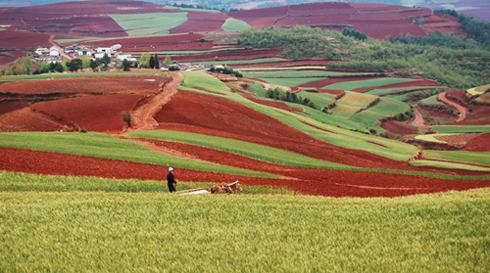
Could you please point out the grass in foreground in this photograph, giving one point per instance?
(20, 182)
(155, 232)
(204, 81)
(105, 146)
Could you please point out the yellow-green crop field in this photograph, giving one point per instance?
(88, 231)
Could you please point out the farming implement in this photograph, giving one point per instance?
(216, 189)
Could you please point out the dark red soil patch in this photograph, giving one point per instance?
(331, 91)
(246, 54)
(318, 128)
(421, 82)
(459, 94)
(202, 22)
(88, 85)
(398, 127)
(377, 144)
(94, 113)
(6, 107)
(478, 116)
(325, 82)
(457, 140)
(311, 181)
(282, 64)
(479, 144)
(25, 120)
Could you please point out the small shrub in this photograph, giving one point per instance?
(372, 131)
(83, 130)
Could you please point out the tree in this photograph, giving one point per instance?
(145, 60)
(167, 59)
(152, 62)
(93, 64)
(106, 59)
(126, 64)
(75, 65)
(59, 68)
(157, 62)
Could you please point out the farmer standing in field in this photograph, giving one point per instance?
(171, 180)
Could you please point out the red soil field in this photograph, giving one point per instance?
(220, 117)
(310, 181)
(420, 82)
(482, 13)
(313, 20)
(202, 22)
(478, 116)
(94, 113)
(23, 40)
(25, 120)
(458, 94)
(331, 91)
(397, 127)
(6, 107)
(471, 3)
(260, 17)
(479, 143)
(282, 64)
(325, 82)
(87, 85)
(246, 54)
(457, 139)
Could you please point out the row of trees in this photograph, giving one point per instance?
(22, 67)
(152, 61)
(226, 70)
(279, 94)
(449, 59)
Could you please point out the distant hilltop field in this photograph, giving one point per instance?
(23, 29)
(476, 8)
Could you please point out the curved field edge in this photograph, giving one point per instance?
(256, 151)
(105, 146)
(11, 181)
(340, 137)
(100, 231)
(449, 165)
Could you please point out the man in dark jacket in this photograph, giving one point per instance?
(171, 180)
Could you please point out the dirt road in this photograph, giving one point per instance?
(142, 119)
(62, 53)
(462, 110)
(419, 120)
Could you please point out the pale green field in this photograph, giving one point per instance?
(149, 23)
(289, 81)
(449, 165)
(432, 137)
(343, 111)
(469, 129)
(366, 83)
(321, 99)
(387, 91)
(254, 69)
(431, 101)
(481, 158)
(294, 74)
(161, 232)
(204, 81)
(232, 24)
(263, 60)
(385, 107)
(105, 146)
(478, 90)
(190, 9)
(357, 99)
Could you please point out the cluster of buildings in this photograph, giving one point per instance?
(56, 54)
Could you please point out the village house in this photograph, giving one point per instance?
(54, 51)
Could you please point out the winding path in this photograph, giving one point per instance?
(419, 120)
(462, 110)
(62, 52)
(142, 118)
